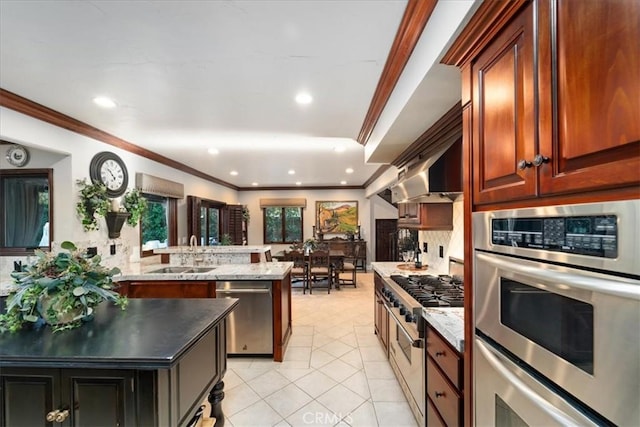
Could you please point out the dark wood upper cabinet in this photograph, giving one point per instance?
(553, 86)
(425, 216)
(589, 94)
(503, 114)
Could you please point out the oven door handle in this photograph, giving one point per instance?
(552, 276)
(493, 357)
(417, 343)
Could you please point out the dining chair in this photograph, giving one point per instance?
(349, 265)
(320, 270)
(300, 268)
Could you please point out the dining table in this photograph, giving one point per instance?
(336, 257)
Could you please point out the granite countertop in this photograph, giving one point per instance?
(386, 269)
(230, 249)
(6, 287)
(113, 339)
(254, 271)
(449, 322)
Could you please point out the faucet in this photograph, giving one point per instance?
(193, 247)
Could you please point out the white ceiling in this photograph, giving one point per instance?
(191, 75)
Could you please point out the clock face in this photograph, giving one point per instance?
(109, 169)
(112, 175)
(17, 155)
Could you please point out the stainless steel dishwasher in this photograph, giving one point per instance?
(250, 324)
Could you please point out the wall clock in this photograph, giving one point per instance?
(109, 169)
(17, 155)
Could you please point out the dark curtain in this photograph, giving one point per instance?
(23, 214)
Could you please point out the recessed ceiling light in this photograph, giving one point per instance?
(339, 149)
(213, 151)
(349, 170)
(298, 183)
(255, 184)
(234, 173)
(104, 102)
(303, 98)
(291, 172)
(343, 182)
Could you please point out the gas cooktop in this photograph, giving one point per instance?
(433, 291)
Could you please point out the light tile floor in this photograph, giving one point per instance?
(335, 372)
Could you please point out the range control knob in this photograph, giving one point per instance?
(409, 318)
(403, 310)
(396, 303)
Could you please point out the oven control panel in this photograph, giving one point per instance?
(595, 235)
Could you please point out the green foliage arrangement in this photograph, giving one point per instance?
(94, 203)
(246, 215)
(135, 204)
(60, 290)
(225, 240)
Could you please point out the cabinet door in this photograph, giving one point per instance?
(589, 94)
(99, 397)
(503, 114)
(27, 396)
(408, 213)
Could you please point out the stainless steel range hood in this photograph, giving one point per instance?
(436, 180)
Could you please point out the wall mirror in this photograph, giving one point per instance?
(26, 212)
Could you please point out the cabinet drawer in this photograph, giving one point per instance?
(432, 417)
(445, 356)
(444, 397)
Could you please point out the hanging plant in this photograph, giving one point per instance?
(246, 215)
(135, 205)
(93, 201)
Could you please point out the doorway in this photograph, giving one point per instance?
(385, 228)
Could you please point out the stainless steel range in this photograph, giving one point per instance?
(404, 298)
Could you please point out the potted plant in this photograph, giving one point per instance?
(60, 289)
(310, 245)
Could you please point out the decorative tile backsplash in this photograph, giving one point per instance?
(452, 242)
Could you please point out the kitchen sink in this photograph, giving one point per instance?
(200, 269)
(176, 270)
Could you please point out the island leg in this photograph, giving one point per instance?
(215, 398)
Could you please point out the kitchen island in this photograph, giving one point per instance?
(269, 281)
(152, 364)
(218, 254)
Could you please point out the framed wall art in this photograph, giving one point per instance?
(337, 217)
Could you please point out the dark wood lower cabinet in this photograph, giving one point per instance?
(445, 385)
(31, 397)
(168, 289)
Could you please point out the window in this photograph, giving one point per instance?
(158, 225)
(26, 220)
(209, 225)
(282, 225)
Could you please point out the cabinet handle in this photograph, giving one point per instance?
(523, 164)
(439, 353)
(62, 416)
(51, 416)
(539, 159)
(439, 394)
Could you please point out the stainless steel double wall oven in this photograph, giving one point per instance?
(557, 315)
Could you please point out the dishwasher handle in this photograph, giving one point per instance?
(243, 291)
